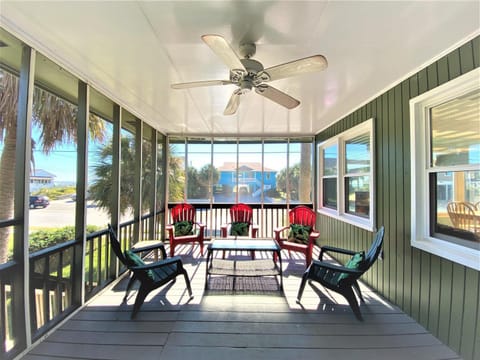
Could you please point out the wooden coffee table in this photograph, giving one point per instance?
(239, 267)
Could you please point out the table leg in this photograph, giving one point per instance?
(281, 270)
(207, 265)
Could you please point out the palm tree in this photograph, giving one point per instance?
(176, 177)
(101, 188)
(57, 120)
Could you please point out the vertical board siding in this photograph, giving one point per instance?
(441, 295)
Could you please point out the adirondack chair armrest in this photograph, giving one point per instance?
(159, 246)
(326, 248)
(170, 228)
(200, 225)
(158, 264)
(278, 231)
(333, 267)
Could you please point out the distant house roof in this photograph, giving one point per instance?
(42, 174)
(246, 166)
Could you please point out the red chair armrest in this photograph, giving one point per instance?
(277, 231)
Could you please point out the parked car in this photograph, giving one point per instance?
(39, 201)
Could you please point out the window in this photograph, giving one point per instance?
(249, 170)
(346, 176)
(329, 179)
(445, 148)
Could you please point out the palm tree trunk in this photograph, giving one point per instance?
(7, 185)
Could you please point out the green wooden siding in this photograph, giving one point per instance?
(441, 295)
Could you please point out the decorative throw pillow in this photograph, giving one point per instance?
(239, 229)
(356, 262)
(135, 260)
(183, 228)
(299, 233)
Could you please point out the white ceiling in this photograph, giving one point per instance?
(133, 50)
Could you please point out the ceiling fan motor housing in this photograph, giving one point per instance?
(246, 80)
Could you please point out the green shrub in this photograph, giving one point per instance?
(42, 239)
(55, 193)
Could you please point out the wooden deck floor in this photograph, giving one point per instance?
(255, 321)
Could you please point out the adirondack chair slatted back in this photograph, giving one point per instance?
(375, 249)
(115, 244)
(241, 213)
(302, 215)
(183, 212)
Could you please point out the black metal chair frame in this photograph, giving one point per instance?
(140, 273)
(346, 287)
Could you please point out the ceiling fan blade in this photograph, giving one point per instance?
(277, 96)
(224, 51)
(293, 68)
(193, 84)
(233, 103)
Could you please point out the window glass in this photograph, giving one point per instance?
(330, 160)
(148, 177)
(455, 144)
(357, 186)
(160, 190)
(54, 155)
(329, 181)
(357, 154)
(250, 172)
(176, 170)
(100, 152)
(225, 162)
(300, 172)
(200, 174)
(127, 166)
(357, 195)
(10, 60)
(455, 131)
(160, 200)
(275, 170)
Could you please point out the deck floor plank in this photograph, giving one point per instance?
(252, 321)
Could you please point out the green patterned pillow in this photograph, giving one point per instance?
(356, 262)
(239, 229)
(183, 228)
(299, 233)
(135, 260)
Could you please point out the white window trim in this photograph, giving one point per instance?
(339, 213)
(419, 147)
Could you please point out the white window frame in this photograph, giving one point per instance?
(340, 213)
(419, 155)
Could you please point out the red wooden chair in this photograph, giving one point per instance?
(301, 233)
(241, 222)
(184, 229)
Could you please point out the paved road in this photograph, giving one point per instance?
(62, 213)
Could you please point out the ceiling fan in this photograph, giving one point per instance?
(247, 73)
